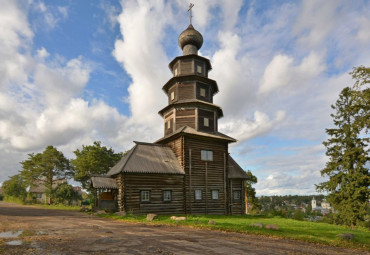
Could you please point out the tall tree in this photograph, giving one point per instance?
(250, 194)
(15, 187)
(45, 168)
(93, 159)
(348, 152)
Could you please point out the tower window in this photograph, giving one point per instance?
(175, 71)
(199, 69)
(172, 95)
(202, 92)
(206, 122)
(206, 155)
(168, 124)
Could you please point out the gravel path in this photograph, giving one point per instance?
(65, 232)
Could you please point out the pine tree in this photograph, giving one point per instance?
(250, 194)
(347, 149)
(46, 167)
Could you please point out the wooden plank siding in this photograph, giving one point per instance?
(156, 184)
(186, 90)
(205, 175)
(236, 206)
(186, 66)
(185, 117)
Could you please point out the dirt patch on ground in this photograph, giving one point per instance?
(32, 230)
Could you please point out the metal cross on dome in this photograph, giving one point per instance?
(190, 6)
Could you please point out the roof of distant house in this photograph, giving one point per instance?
(39, 186)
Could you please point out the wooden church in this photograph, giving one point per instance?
(188, 170)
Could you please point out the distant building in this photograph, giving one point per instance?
(38, 189)
(325, 207)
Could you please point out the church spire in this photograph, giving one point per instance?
(190, 40)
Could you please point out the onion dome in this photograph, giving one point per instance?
(190, 41)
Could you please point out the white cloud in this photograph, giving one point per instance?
(247, 129)
(142, 55)
(281, 72)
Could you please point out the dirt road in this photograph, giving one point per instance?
(32, 230)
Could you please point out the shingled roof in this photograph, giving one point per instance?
(148, 158)
(103, 182)
(235, 171)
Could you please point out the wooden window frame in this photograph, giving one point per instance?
(218, 194)
(141, 196)
(203, 90)
(206, 122)
(238, 198)
(195, 194)
(172, 95)
(164, 195)
(206, 155)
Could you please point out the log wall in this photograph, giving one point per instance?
(156, 184)
(205, 176)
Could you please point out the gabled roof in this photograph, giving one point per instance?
(191, 131)
(235, 171)
(103, 182)
(148, 158)
(195, 103)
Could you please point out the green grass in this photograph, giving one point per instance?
(315, 232)
(52, 206)
(59, 207)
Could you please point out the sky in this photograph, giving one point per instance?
(75, 72)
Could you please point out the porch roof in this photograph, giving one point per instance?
(103, 182)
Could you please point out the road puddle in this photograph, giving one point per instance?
(10, 234)
(14, 242)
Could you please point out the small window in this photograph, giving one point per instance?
(38, 195)
(237, 195)
(198, 194)
(207, 155)
(168, 124)
(145, 196)
(215, 194)
(206, 122)
(167, 195)
(172, 95)
(202, 92)
(175, 71)
(199, 69)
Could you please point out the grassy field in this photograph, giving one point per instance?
(46, 206)
(316, 232)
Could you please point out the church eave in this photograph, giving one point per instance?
(173, 62)
(192, 103)
(190, 132)
(192, 77)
